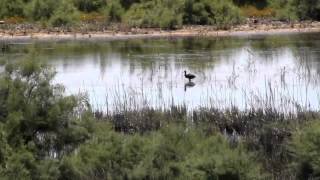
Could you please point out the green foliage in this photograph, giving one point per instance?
(306, 9)
(38, 124)
(65, 15)
(257, 3)
(41, 9)
(171, 153)
(214, 159)
(296, 9)
(128, 3)
(115, 11)
(59, 13)
(19, 165)
(10, 8)
(283, 10)
(305, 146)
(218, 12)
(158, 13)
(89, 5)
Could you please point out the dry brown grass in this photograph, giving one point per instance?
(14, 20)
(252, 11)
(93, 17)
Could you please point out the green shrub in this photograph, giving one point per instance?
(213, 158)
(283, 11)
(41, 9)
(127, 3)
(19, 165)
(171, 153)
(115, 11)
(38, 124)
(207, 12)
(158, 13)
(260, 4)
(306, 9)
(90, 5)
(10, 8)
(296, 9)
(166, 153)
(103, 157)
(65, 15)
(305, 146)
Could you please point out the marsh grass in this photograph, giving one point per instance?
(265, 131)
(264, 122)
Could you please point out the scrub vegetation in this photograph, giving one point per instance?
(166, 14)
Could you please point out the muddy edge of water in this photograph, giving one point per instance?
(19, 34)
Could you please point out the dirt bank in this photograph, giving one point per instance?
(27, 33)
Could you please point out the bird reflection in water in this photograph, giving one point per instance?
(188, 85)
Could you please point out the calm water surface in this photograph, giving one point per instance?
(279, 71)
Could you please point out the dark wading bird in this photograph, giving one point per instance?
(189, 76)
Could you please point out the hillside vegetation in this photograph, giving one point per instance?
(167, 14)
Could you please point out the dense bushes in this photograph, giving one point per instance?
(306, 151)
(172, 153)
(159, 13)
(218, 12)
(41, 9)
(65, 14)
(114, 11)
(10, 8)
(296, 9)
(89, 5)
(38, 124)
(308, 9)
(172, 14)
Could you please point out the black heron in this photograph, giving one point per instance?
(189, 76)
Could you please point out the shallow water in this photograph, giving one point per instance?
(278, 71)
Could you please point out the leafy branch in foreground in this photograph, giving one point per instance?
(38, 123)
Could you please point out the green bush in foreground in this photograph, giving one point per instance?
(305, 146)
(38, 124)
(171, 153)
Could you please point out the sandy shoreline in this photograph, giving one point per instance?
(149, 33)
